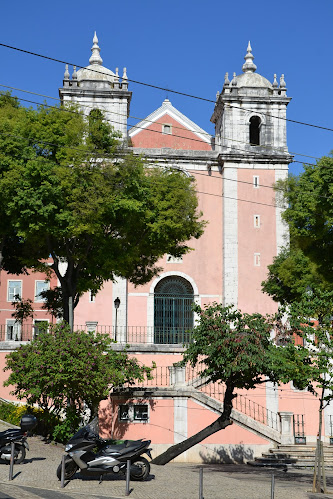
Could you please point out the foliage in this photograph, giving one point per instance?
(290, 274)
(309, 213)
(65, 372)
(311, 362)
(77, 196)
(22, 309)
(233, 348)
(46, 422)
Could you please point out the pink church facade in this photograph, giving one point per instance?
(234, 173)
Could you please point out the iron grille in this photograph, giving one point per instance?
(173, 318)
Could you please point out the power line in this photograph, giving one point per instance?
(143, 119)
(158, 87)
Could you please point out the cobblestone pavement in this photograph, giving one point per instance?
(36, 478)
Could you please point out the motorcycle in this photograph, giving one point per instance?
(19, 437)
(92, 455)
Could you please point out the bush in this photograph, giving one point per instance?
(46, 422)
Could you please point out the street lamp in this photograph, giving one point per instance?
(116, 306)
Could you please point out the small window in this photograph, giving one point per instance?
(256, 221)
(124, 413)
(92, 296)
(167, 129)
(256, 181)
(255, 123)
(257, 259)
(14, 290)
(141, 412)
(134, 413)
(41, 286)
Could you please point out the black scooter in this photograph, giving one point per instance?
(107, 458)
(19, 437)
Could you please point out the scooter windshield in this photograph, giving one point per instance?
(88, 432)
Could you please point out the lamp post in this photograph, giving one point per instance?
(116, 306)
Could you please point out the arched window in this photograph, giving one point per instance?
(255, 123)
(173, 315)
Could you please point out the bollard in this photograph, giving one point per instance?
(11, 467)
(272, 486)
(128, 470)
(201, 483)
(62, 472)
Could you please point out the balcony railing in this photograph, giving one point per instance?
(123, 335)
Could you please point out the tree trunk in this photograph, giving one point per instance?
(319, 460)
(219, 424)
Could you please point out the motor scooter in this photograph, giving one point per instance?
(19, 437)
(92, 455)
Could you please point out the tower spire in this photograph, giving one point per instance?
(249, 66)
(95, 56)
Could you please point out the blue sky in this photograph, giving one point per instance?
(185, 45)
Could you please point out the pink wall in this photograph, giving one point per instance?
(253, 240)
(180, 138)
(28, 291)
(199, 418)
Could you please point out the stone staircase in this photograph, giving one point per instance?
(293, 456)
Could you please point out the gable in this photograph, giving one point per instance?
(167, 127)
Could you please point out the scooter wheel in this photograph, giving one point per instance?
(70, 469)
(140, 469)
(19, 454)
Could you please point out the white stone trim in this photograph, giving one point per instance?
(167, 108)
(282, 230)
(230, 236)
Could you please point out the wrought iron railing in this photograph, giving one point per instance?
(162, 378)
(124, 335)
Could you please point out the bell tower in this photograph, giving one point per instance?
(251, 143)
(97, 87)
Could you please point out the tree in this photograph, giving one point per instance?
(64, 371)
(309, 213)
(231, 348)
(12, 123)
(82, 200)
(310, 318)
(290, 274)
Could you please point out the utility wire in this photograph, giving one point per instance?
(157, 87)
(150, 121)
(141, 119)
(198, 192)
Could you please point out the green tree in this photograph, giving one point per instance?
(290, 274)
(79, 198)
(64, 371)
(231, 348)
(310, 318)
(309, 213)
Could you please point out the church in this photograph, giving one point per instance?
(234, 171)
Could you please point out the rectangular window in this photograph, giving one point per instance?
(256, 181)
(256, 221)
(141, 412)
(40, 326)
(14, 290)
(13, 330)
(41, 286)
(92, 296)
(167, 129)
(134, 413)
(257, 259)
